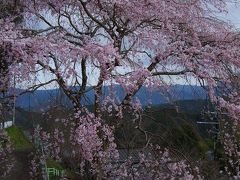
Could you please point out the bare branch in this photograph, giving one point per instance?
(170, 73)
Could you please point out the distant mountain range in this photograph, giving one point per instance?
(42, 99)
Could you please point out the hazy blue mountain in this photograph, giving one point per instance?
(41, 99)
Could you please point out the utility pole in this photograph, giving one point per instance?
(214, 132)
(216, 124)
(14, 100)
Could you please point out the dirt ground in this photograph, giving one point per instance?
(21, 169)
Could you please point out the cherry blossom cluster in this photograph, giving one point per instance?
(6, 157)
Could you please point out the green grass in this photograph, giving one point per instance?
(51, 163)
(18, 139)
(54, 164)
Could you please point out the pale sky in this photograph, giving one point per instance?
(233, 16)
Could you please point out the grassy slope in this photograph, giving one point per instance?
(179, 128)
(20, 142)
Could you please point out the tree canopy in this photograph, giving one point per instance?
(81, 45)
